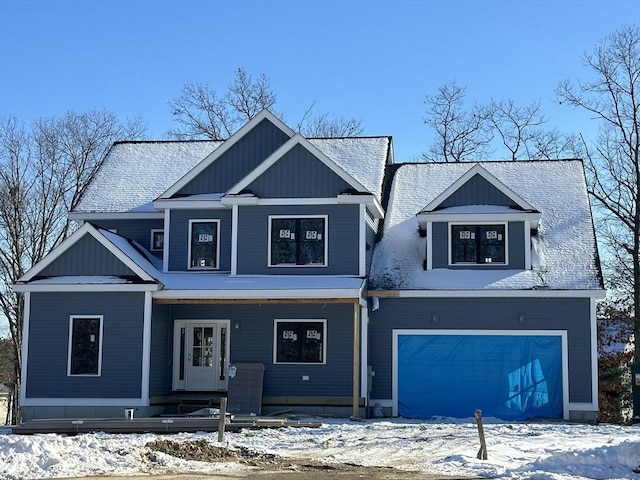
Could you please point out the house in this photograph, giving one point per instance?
(421, 290)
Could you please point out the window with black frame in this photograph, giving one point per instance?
(203, 237)
(478, 244)
(299, 341)
(298, 241)
(85, 344)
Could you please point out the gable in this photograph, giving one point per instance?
(298, 173)
(477, 191)
(237, 161)
(87, 257)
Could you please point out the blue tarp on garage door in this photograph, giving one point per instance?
(512, 377)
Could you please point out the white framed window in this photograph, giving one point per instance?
(478, 244)
(204, 244)
(298, 240)
(157, 240)
(85, 345)
(300, 341)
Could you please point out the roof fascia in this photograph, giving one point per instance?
(86, 287)
(181, 204)
(85, 229)
(479, 170)
(478, 217)
(226, 145)
(87, 217)
(297, 139)
(487, 293)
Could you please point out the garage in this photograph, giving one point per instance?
(507, 375)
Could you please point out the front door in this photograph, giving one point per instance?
(201, 355)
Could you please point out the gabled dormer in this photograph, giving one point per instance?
(478, 222)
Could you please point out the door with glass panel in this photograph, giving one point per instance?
(201, 355)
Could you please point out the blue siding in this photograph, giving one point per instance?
(516, 248)
(121, 347)
(134, 229)
(238, 161)
(253, 342)
(298, 174)
(477, 191)
(572, 315)
(179, 237)
(161, 350)
(87, 257)
(342, 231)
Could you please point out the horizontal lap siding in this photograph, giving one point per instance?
(572, 315)
(161, 350)
(252, 342)
(342, 231)
(121, 345)
(134, 229)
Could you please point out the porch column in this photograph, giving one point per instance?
(356, 360)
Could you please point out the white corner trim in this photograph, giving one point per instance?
(364, 353)
(234, 239)
(594, 354)
(167, 230)
(222, 149)
(25, 346)
(146, 345)
(362, 233)
(429, 245)
(527, 246)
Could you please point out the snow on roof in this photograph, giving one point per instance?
(565, 256)
(136, 173)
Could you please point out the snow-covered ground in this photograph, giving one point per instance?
(541, 451)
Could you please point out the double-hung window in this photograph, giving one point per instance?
(300, 341)
(298, 241)
(85, 345)
(204, 244)
(478, 244)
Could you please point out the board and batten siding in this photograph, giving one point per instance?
(123, 317)
(237, 162)
(134, 229)
(342, 232)
(570, 314)
(477, 191)
(86, 257)
(515, 247)
(252, 341)
(179, 237)
(298, 174)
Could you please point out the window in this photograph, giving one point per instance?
(298, 241)
(157, 240)
(300, 341)
(85, 345)
(478, 244)
(204, 243)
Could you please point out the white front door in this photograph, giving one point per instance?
(201, 355)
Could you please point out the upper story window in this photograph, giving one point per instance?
(157, 240)
(298, 241)
(478, 244)
(85, 345)
(204, 244)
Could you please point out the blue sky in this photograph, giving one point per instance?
(372, 60)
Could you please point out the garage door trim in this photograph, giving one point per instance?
(396, 333)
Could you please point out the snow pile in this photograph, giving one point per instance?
(558, 451)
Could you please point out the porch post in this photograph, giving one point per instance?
(356, 360)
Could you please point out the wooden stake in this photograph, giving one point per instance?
(482, 453)
(223, 418)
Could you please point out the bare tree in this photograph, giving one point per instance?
(327, 126)
(516, 126)
(461, 135)
(43, 173)
(612, 96)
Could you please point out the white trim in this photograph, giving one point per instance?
(488, 293)
(73, 317)
(226, 145)
(167, 230)
(311, 293)
(527, 246)
(234, 239)
(146, 345)
(189, 240)
(299, 320)
(25, 346)
(297, 139)
(184, 204)
(90, 216)
(440, 216)
(594, 355)
(362, 235)
(325, 262)
(242, 199)
(371, 202)
(477, 224)
(85, 402)
(478, 169)
(155, 231)
(86, 228)
(429, 245)
(364, 353)
(396, 332)
(86, 287)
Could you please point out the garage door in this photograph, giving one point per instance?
(506, 376)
